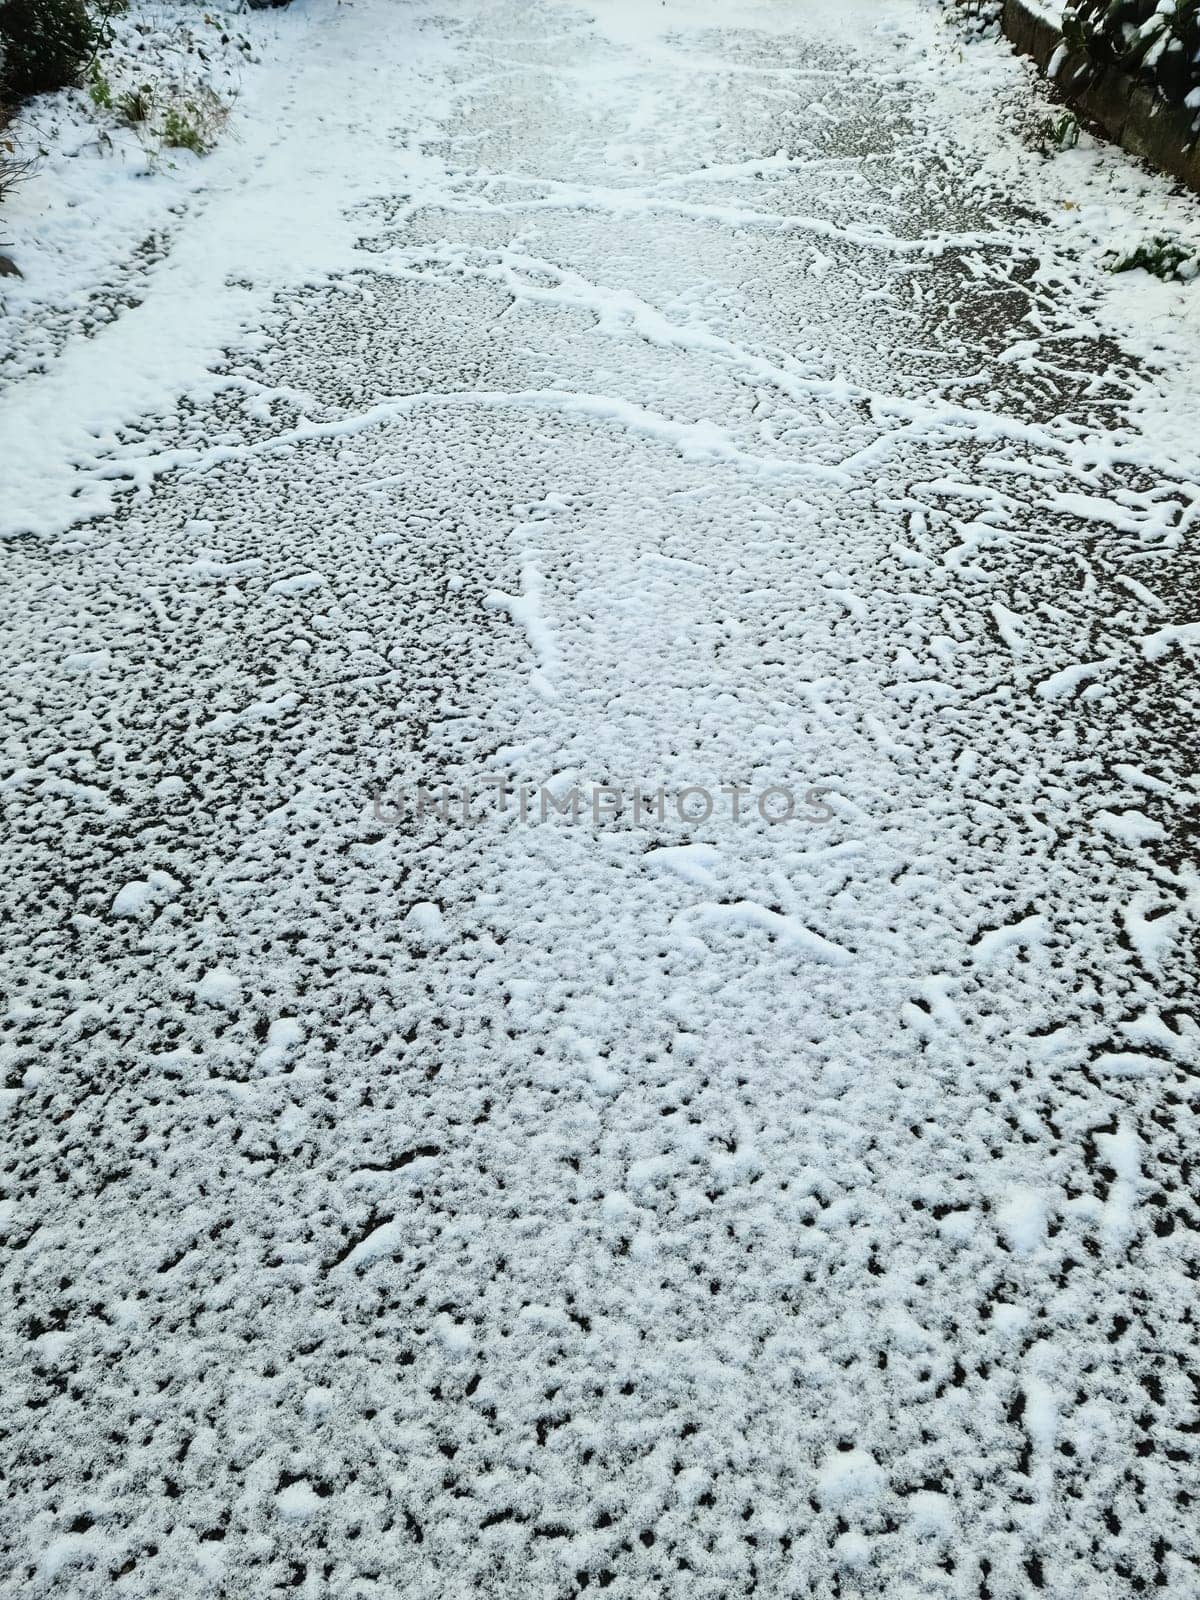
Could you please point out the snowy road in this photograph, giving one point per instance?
(418, 1205)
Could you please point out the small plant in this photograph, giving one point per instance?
(1066, 132)
(1057, 133)
(13, 168)
(1162, 258)
(133, 105)
(99, 89)
(193, 124)
(180, 132)
(44, 44)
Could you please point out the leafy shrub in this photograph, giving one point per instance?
(44, 44)
(1157, 41)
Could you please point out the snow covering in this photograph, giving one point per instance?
(107, 197)
(698, 397)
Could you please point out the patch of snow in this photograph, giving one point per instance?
(850, 1479)
(219, 987)
(298, 1502)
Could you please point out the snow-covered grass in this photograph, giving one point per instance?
(112, 167)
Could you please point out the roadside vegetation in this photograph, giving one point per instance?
(123, 70)
(1155, 41)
